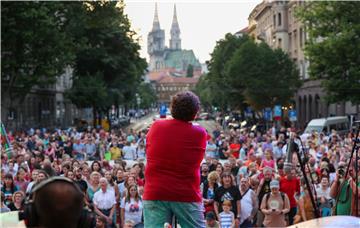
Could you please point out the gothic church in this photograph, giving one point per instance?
(172, 59)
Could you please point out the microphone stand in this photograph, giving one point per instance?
(355, 149)
(316, 210)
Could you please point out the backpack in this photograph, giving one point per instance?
(268, 196)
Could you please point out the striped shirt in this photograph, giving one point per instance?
(226, 219)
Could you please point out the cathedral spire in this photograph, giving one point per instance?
(156, 23)
(175, 23)
(175, 41)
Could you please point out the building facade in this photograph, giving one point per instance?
(275, 23)
(43, 107)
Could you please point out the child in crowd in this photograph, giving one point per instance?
(226, 217)
(211, 221)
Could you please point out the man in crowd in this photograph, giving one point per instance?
(290, 185)
(173, 166)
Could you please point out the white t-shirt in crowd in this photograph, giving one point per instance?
(133, 210)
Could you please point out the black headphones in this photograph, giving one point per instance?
(29, 214)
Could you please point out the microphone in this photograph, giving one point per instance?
(288, 165)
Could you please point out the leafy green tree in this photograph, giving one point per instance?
(264, 76)
(190, 71)
(147, 95)
(222, 94)
(333, 47)
(202, 89)
(84, 86)
(35, 46)
(110, 52)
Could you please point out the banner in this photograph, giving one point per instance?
(277, 112)
(292, 115)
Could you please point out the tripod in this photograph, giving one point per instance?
(288, 164)
(355, 150)
(302, 166)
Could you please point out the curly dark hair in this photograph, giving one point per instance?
(184, 106)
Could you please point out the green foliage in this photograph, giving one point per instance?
(265, 77)
(221, 93)
(110, 52)
(333, 47)
(84, 86)
(203, 90)
(190, 71)
(243, 73)
(147, 95)
(35, 45)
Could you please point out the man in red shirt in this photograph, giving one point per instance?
(290, 185)
(175, 149)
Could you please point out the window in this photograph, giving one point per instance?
(301, 37)
(279, 43)
(279, 19)
(274, 18)
(290, 43)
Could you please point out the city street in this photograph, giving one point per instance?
(143, 123)
(82, 83)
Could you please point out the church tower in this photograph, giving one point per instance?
(156, 44)
(175, 41)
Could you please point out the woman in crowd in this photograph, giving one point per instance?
(94, 184)
(69, 174)
(305, 210)
(227, 190)
(323, 197)
(17, 201)
(208, 191)
(9, 188)
(112, 185)
(132, 207)
(96, 167)
(219, 169)
(20, 180)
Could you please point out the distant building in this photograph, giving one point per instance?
(171, 58)
(171, 69)
(274, 22)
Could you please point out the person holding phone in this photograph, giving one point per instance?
(275, 205)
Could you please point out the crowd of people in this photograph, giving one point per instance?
(107, 166)
(254, 182)
(243, 181)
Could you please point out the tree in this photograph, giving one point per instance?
(147, 95)
(264, 76)
(202, 89)
(84, 86)
(222, 95)
(110, 53)
(333, 47)
(190, 71)
(35, 46)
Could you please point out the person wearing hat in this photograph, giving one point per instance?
(211, 220)
(275, 205)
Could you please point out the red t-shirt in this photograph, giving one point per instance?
(174, 151)
(290, 187)
(235, 148)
